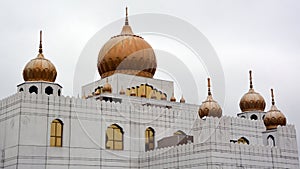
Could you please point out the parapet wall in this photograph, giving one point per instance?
(216, 155)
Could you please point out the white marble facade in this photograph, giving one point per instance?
(25, 120)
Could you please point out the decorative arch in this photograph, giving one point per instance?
(271, 140)
(243, 140)
(56, 134)
(114, 137)
(179, 132)
(59, 92)
(33, 89)
(149, 139)
(253, 117)
(49, 90)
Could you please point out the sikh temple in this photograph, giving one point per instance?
(128, 119)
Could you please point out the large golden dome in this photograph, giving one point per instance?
(128, 54)
(252, 101)
(274, 117)
(39, 68)
(210, 107)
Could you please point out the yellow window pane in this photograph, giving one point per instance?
(151, 134)
(58, 129)
(109, 145)
(52, 129)
(118, 135)
(58, 142)
(109, 133)
(118, 146)
(52, 141)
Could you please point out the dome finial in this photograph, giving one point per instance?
(126, 18)
(40, 55)
(208, 85)
(272, 95)
(250, 76)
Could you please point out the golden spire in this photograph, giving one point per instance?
(41, 47)
(40, 55)
(122, 92)
(126, 18)
(250, 75)
(173, 99)
(272, 95)
(182, 100)
(208, 85)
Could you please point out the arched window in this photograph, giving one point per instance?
(33, 89)
(56, 134)
(49, 90)
(271, 140)
(114, 137)
(179, 132)
(21, 90)
(149, 139)
(59, 92)
(243, 140)
(253, 117)
(243, 117)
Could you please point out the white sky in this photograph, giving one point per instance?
(262, 35)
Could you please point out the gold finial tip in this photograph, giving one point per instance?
(272, 95)
(208, 85)
(272, 92)
(40, 47)
(250, 77)
(41, 32)
(126, 18)
(208, 82)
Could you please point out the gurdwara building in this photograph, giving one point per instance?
(128, 119)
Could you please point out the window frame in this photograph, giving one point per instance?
(56, 136)
(149, 139)
(116, 137)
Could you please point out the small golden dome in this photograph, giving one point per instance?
(98, 91)
(128, 54)
(252, 101)
(173, 99)
(153, 95)
(39, 68)
(210, 107)
(107, 87)
(163, 97)
(133, 92)
(122, 92)
(182, 100)
(274, 117)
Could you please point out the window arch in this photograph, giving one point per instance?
(21, 90)
(149, 139)
(243, 140)
(33, 89)
(271, 140)
(49, 90)
(56, 134)
(253, 117)
(59, 92)
(179, 132)
(114, 137)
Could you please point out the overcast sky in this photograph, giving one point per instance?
(262, 35)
